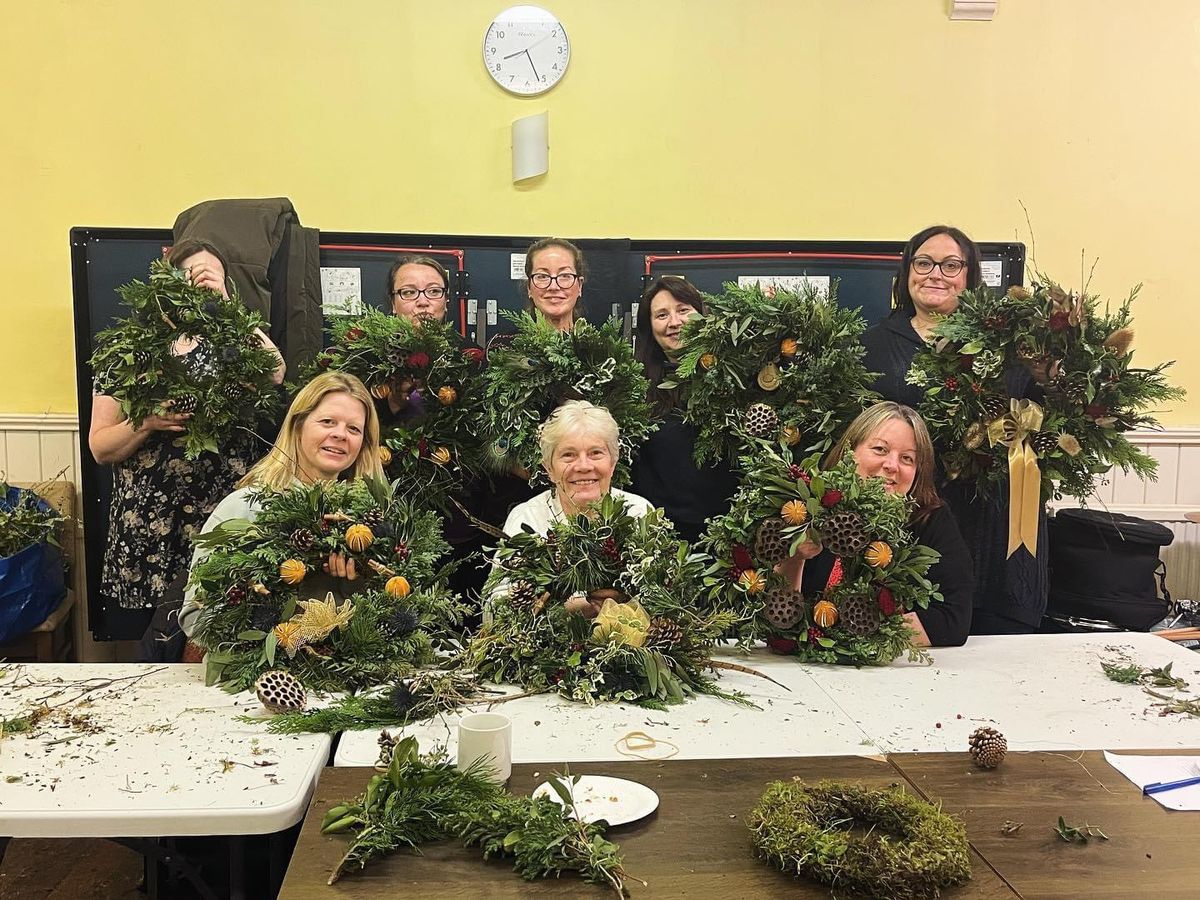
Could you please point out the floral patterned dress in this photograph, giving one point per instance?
(160, 500)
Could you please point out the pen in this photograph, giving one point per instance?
(1159, 786)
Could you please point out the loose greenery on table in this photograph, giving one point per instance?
(884, 844)
(606, 606)
(541, 367)
(1077, 835)
(858, 617)
(1132, 673)
(134, 363)
(260, 611)
(436, 444)
(423, 798)
(1086, 392)
(25, 519)
(772, 365)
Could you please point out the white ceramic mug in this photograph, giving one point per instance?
(486, 736)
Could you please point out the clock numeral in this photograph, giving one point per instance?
(498, 67)
(499, 34)
(511, 78)
(555, 68)
(543, 79)
(560, 54)
(492, 50)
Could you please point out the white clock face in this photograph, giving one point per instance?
(526, 50)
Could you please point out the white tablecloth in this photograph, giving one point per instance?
(1044, 692)
(162, 756)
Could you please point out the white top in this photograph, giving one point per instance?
(1042, 691)
(237, 505)
(540, 512)
(159, 754)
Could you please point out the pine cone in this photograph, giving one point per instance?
(769, 545)
(783, 607)
(372, 518)
(761, 421)
(387, 746)
(1043, 442)
(280, 691)
(303, 539)
(988, 747)
(522, 595)
(993, 406)
(859, 615)
(141, 358)
(662, 635)
(843, 535)
(185, 404)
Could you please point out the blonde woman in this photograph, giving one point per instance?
(330, 432)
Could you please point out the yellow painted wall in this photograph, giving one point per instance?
(790, 119)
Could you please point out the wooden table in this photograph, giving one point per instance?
(1151, 851)
(696, 844)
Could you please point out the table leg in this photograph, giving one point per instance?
(176, 864)
(3, 846)
(237, 867)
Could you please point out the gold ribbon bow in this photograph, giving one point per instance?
(1012, 429)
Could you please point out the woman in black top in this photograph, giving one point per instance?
(890, 441)
(664, 471)
(936, 265)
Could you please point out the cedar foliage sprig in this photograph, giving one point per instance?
(656, 651)
(26, 519)
(815, 349)
(432, 452)
(425, 798)
(542, 367)
(134, 364)
(249, 620)
(805, 502)
(1077, 364)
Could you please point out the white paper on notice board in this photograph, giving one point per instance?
(516, 266)
(992, 271)
(793, 283)
(341, 291)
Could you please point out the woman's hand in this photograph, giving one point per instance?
(205, 275)
(341, 565)
(165, 421)
(792, 568)
(281, 367)
(807, 550)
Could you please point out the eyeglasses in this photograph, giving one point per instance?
(409, 294)
(562, 279)
(950, 266)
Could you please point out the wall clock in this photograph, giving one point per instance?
(526, 50)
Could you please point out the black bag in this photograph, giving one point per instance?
(1105, 566)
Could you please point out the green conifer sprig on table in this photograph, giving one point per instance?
(133, 360)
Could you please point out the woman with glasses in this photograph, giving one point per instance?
(554, 273)
(937, 264)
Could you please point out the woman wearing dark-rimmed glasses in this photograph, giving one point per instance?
(554, 273)
(937, 264)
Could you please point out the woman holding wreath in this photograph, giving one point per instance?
(664, 470)
(159, 496)
(890, 441)
(937, 264)
(330, 432)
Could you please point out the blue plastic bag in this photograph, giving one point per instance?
(31, 583)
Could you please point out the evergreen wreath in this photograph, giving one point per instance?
(542, 367)
(858, 619)
(605, 606)
(257, 613)
(911, 850)
(423, 798)
(771, 365)
(134, 365)
(435, 450)
(1090, 394)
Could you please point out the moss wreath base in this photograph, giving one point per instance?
(911, 849)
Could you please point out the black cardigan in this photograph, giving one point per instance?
(947, 623)
(891, 346)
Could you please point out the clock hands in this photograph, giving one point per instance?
(538, 77)
(528, 57)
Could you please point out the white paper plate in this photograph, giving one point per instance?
(615, 800)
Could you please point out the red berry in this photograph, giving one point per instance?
(418, 360)
(951, 383)
(831, 498)
(798, 474)
(815, 634)
(402, 550)
(422, 447)
(475, 354)
(325, 361)
(976, 387)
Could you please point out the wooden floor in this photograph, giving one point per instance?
(83, 869)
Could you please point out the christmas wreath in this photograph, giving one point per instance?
(541, 368)
(774, 365)
(258, 613)
(884, 844)
(134, 363)
(878, 576)
(1072, 425)
(603, 607)
(436, 446)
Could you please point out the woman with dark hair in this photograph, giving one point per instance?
(554, 276)
(890, 441)
(937, 264)
(160, 498)
(663, 470)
